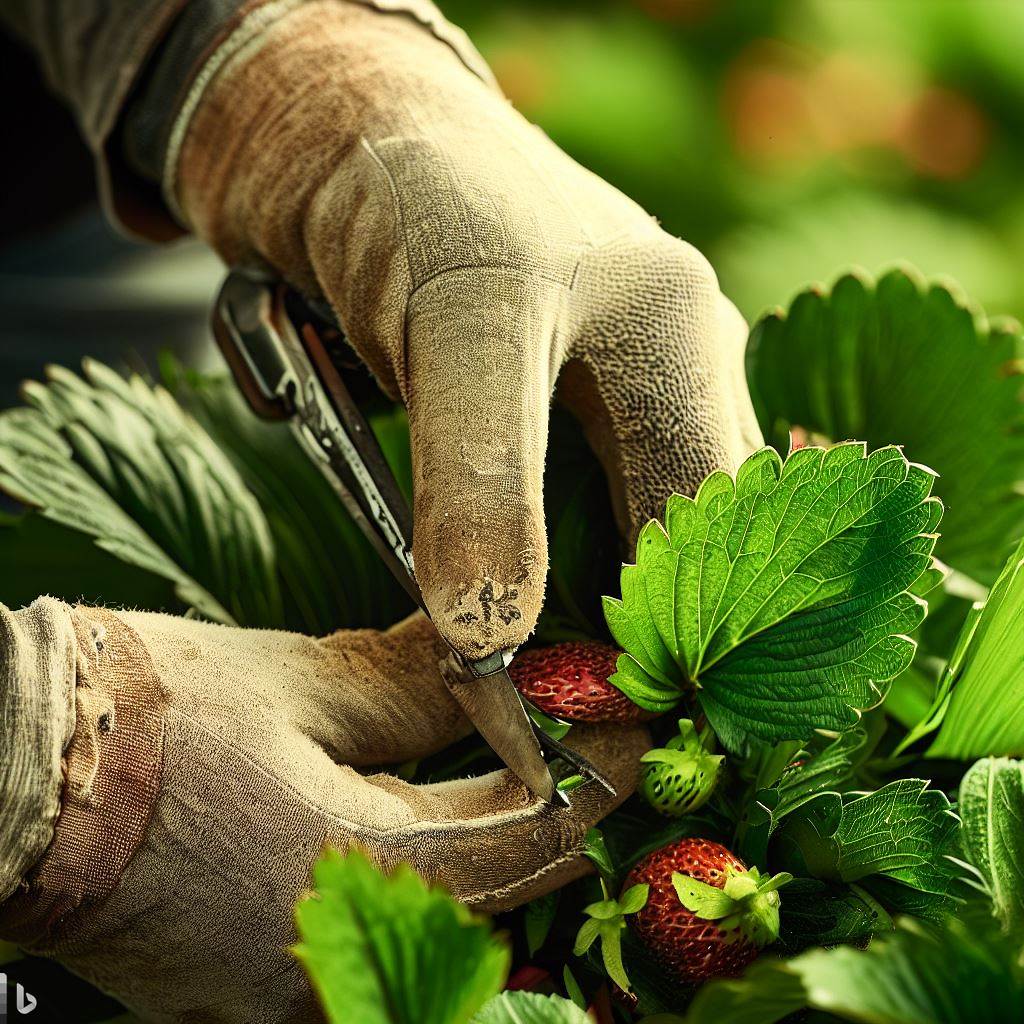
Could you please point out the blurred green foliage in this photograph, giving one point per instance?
(789, 139)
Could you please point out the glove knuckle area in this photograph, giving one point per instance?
(465, 199)
(648, 336)
(649, 374)
(655, 294)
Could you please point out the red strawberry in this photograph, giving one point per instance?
(529, 979)
(694, 931)
(570, 680)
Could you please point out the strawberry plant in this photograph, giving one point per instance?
(831, 665)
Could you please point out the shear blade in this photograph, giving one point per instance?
(558, 749)
(492, 704)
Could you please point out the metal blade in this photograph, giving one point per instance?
(578, 761)
(492, 704)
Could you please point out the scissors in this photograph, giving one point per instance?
(287, 354)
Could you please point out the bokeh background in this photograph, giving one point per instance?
(787, 139)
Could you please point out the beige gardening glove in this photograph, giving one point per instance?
(370, 159)
(166, 785)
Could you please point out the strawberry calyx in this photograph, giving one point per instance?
(745, 907)
(680, 777)
(606, 921)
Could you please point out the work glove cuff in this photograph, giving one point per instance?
(37, 719)
(245, 41)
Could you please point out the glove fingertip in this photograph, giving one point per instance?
(482, 604)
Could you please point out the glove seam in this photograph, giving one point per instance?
(480, 895)
(400, 374)
(244, 34)
(506, 268)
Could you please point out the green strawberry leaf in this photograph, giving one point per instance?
(611, 954)
(814, 773)
(980, 698)
(588, 934)
(899, 899)
(817, 913)
(904, 831)
(604, 910)
(783, 597)
(121, 462)
(389, 950)
(596, 850)
(572, 988)
(634, 899)
(530, 1008)
(748, 903)
(962, 972)
(992, 808)
(901, 360)
(609, 931)
(810, 773)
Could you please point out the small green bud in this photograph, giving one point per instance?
(680, 778)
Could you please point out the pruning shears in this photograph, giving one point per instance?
(287, 356)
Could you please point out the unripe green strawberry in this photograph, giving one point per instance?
(707, 915)
(679, 778)
(570, 681)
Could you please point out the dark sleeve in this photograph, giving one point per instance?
(124, 68)
(120, 66)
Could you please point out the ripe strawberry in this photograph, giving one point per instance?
(570, 681)
(707, 915)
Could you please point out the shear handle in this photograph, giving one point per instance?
(358, 430)
(243, 326)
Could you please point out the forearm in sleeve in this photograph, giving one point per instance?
(126, 67)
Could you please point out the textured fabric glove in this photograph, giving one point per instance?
(198, 770)
(473, 265)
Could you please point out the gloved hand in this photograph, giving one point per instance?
(198, 771)
(472, 264)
